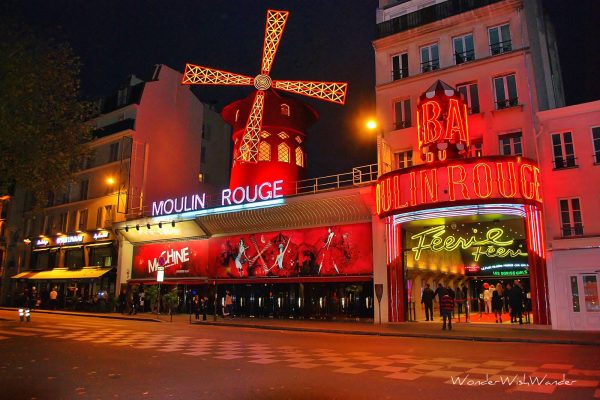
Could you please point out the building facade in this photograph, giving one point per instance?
(569, 148)
(70, 245)
(499, 56)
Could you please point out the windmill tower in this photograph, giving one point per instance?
(268, 129)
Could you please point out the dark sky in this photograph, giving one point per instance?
(324, 40)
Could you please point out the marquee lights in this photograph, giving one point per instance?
(491, 245)
(469, 180)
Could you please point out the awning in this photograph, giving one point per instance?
(60, 273)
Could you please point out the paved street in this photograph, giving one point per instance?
(66, 356)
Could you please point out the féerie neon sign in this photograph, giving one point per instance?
(491, 245)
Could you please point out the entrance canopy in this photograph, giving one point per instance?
(62, 274)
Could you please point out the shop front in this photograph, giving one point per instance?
(79, 267)
(309, 256)
(469, 224)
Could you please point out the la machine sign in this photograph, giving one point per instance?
(229, 197)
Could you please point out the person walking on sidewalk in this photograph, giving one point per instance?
(196, 307)
(516, 301)
(497, 303)
(228, 305)
(446, 308)
(427, 301)
(203, 307)
(53, 298)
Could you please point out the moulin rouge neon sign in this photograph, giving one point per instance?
(464, 181)
(490, 244)
(238, 195)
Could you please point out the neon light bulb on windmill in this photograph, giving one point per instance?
(269, 140)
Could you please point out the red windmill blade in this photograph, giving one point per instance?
(329, 91)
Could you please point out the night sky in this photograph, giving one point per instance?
(323, 41)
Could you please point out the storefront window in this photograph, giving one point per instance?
(45, 259)
(590, 290)
(101, 256)
(74, 258)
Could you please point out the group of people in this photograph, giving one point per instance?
(496, 298)
(136, 303)
(511, 298)
(199, 306)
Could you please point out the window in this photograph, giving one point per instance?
(402, 114)
(470, 95)
(283, 153)
(101, 256)
(575, 294)
(49, 225)
(82, 218)
(463, 48)
(285, 110)
(264, 151)
(591, 297)
(283, 135)
(114, 152)
(74, 258)
(399, 66)
(83, 189)
(505, 90)
(510, 144)
(476, 148)
(596, 142)
(562, 149)
(63, 218)
(299, 157)
(403, 159)
(264, 134)
(570, 217)
(499, 39)
(122, 96)
(108, 216)
(430, 59)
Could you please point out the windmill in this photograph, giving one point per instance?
(247, 138)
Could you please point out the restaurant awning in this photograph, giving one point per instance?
(61, 273)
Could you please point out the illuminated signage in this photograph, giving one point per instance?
(179, 204)
(247, 194)
(42, 242)
(169, 258)
(69, 239)
(442, 124)
(461, 181)
(508, 269)
(239, 195)
(101, 235)
(489, 244)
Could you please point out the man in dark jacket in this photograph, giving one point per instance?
(440, 292)
(427, 301)
(516, 301)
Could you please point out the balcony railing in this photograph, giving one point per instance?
(464, 57)
(430, 65)
(572, 230)
(565, 162)
(500, 47)
(402, 124)
(428, 15)
(114, 128)
(399, 74)
(507, 103)
(359, 176)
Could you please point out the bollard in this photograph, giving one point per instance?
(28, 314)
(21, 314)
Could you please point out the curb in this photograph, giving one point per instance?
(402, 334)
(80, 314)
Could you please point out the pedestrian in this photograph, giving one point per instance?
(487, 298)
(203, 307)
(446, 308)
(465, 291)
(142, 302)
(196, 307)
(460, 300)
(122, 301)
(516, 301)
(53, 298)
(228, 304)
(506, 295)
(497, 303)
(440, 291)
(134, 303)
(427, 301)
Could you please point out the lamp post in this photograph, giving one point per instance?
(373, 126)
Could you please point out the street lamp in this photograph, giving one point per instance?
(373, 126)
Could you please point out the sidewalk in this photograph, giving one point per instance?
(426, 330)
